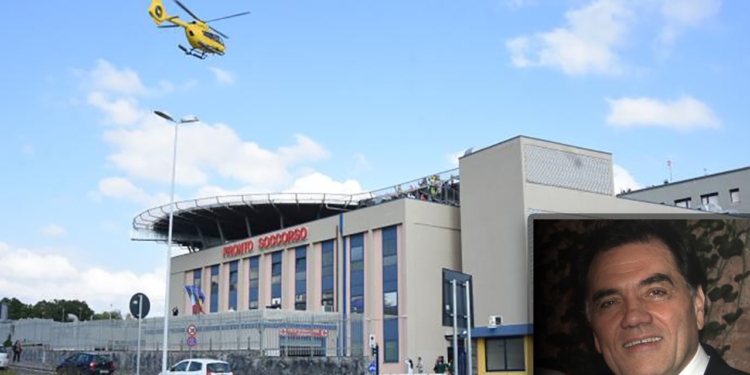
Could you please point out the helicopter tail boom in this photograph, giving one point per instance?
(157, 12)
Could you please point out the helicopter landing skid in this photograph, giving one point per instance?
(193, 52)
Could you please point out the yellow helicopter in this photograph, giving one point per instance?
(203, 39)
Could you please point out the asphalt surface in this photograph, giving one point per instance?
(30, 368)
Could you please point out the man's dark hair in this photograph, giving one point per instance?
(616, 233)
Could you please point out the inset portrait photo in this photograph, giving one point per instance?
(641, 294)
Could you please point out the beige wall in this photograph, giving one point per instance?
(492, 231)
(432, 241)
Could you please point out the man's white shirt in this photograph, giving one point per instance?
(698, 364)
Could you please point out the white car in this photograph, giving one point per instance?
(200, 366)
(3, 360)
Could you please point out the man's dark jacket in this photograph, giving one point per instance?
(716, 364)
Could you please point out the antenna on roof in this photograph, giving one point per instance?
(469, 151)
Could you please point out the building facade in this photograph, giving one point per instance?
(385, 261)
(719, 192)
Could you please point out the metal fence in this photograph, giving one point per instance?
(266, 332)
(443, 187)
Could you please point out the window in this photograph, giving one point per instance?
(710, 198)
(390, 340)
(357, 273)
(276, 275)
(215, 288)
(254, 279)
(233, 285)
(180, 367)
(390, 295)
(505, 354)
(683, 202)
(327, 286)
(300, 279)
(734, 195)
(357, 285)
(197, 277)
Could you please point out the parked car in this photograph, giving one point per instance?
(87, 363)
(3, 360)
(200, 366)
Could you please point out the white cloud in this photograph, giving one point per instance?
(53, 230)
(106, 77)
(594, 33)
(586, 44)
(222, 76)
(122, 188)
(320, 183)
(312, 182)
(624, 180)
(684, 113)
(33, 275)
(120, 111)
(115, 91)
(680, 15)
(27, 265)
(206, 153)
(204, 150)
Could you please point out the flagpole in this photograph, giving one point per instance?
(669, 165)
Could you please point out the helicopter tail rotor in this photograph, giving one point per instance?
(157, 12)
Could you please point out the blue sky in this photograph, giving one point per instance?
(339, 96)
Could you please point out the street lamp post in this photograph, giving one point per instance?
(165, 346)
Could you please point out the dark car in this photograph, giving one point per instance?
(85, 363)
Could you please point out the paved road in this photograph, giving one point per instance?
(31, 368)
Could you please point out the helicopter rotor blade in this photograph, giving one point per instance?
(219, 32)
(187, 10)
(223, 18)
(167, 26)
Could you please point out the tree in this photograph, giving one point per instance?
(17, 309)
(107, 315)
(56, 310)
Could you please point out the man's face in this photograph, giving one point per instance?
(643, 317)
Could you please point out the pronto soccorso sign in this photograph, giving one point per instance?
(266, 242)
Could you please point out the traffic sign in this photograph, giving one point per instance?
(372, 368)
(192, 330)
(192, 341)
(135, 301)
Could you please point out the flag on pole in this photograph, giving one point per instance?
(190, 289)
(669, 163)
(200, 298)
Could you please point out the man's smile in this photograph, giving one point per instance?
(642, 341)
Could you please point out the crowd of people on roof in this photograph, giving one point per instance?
(432, 189)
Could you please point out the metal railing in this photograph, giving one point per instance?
(443, 187)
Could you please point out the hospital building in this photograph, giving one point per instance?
(382, 254)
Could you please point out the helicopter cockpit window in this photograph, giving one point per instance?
(212, 36)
